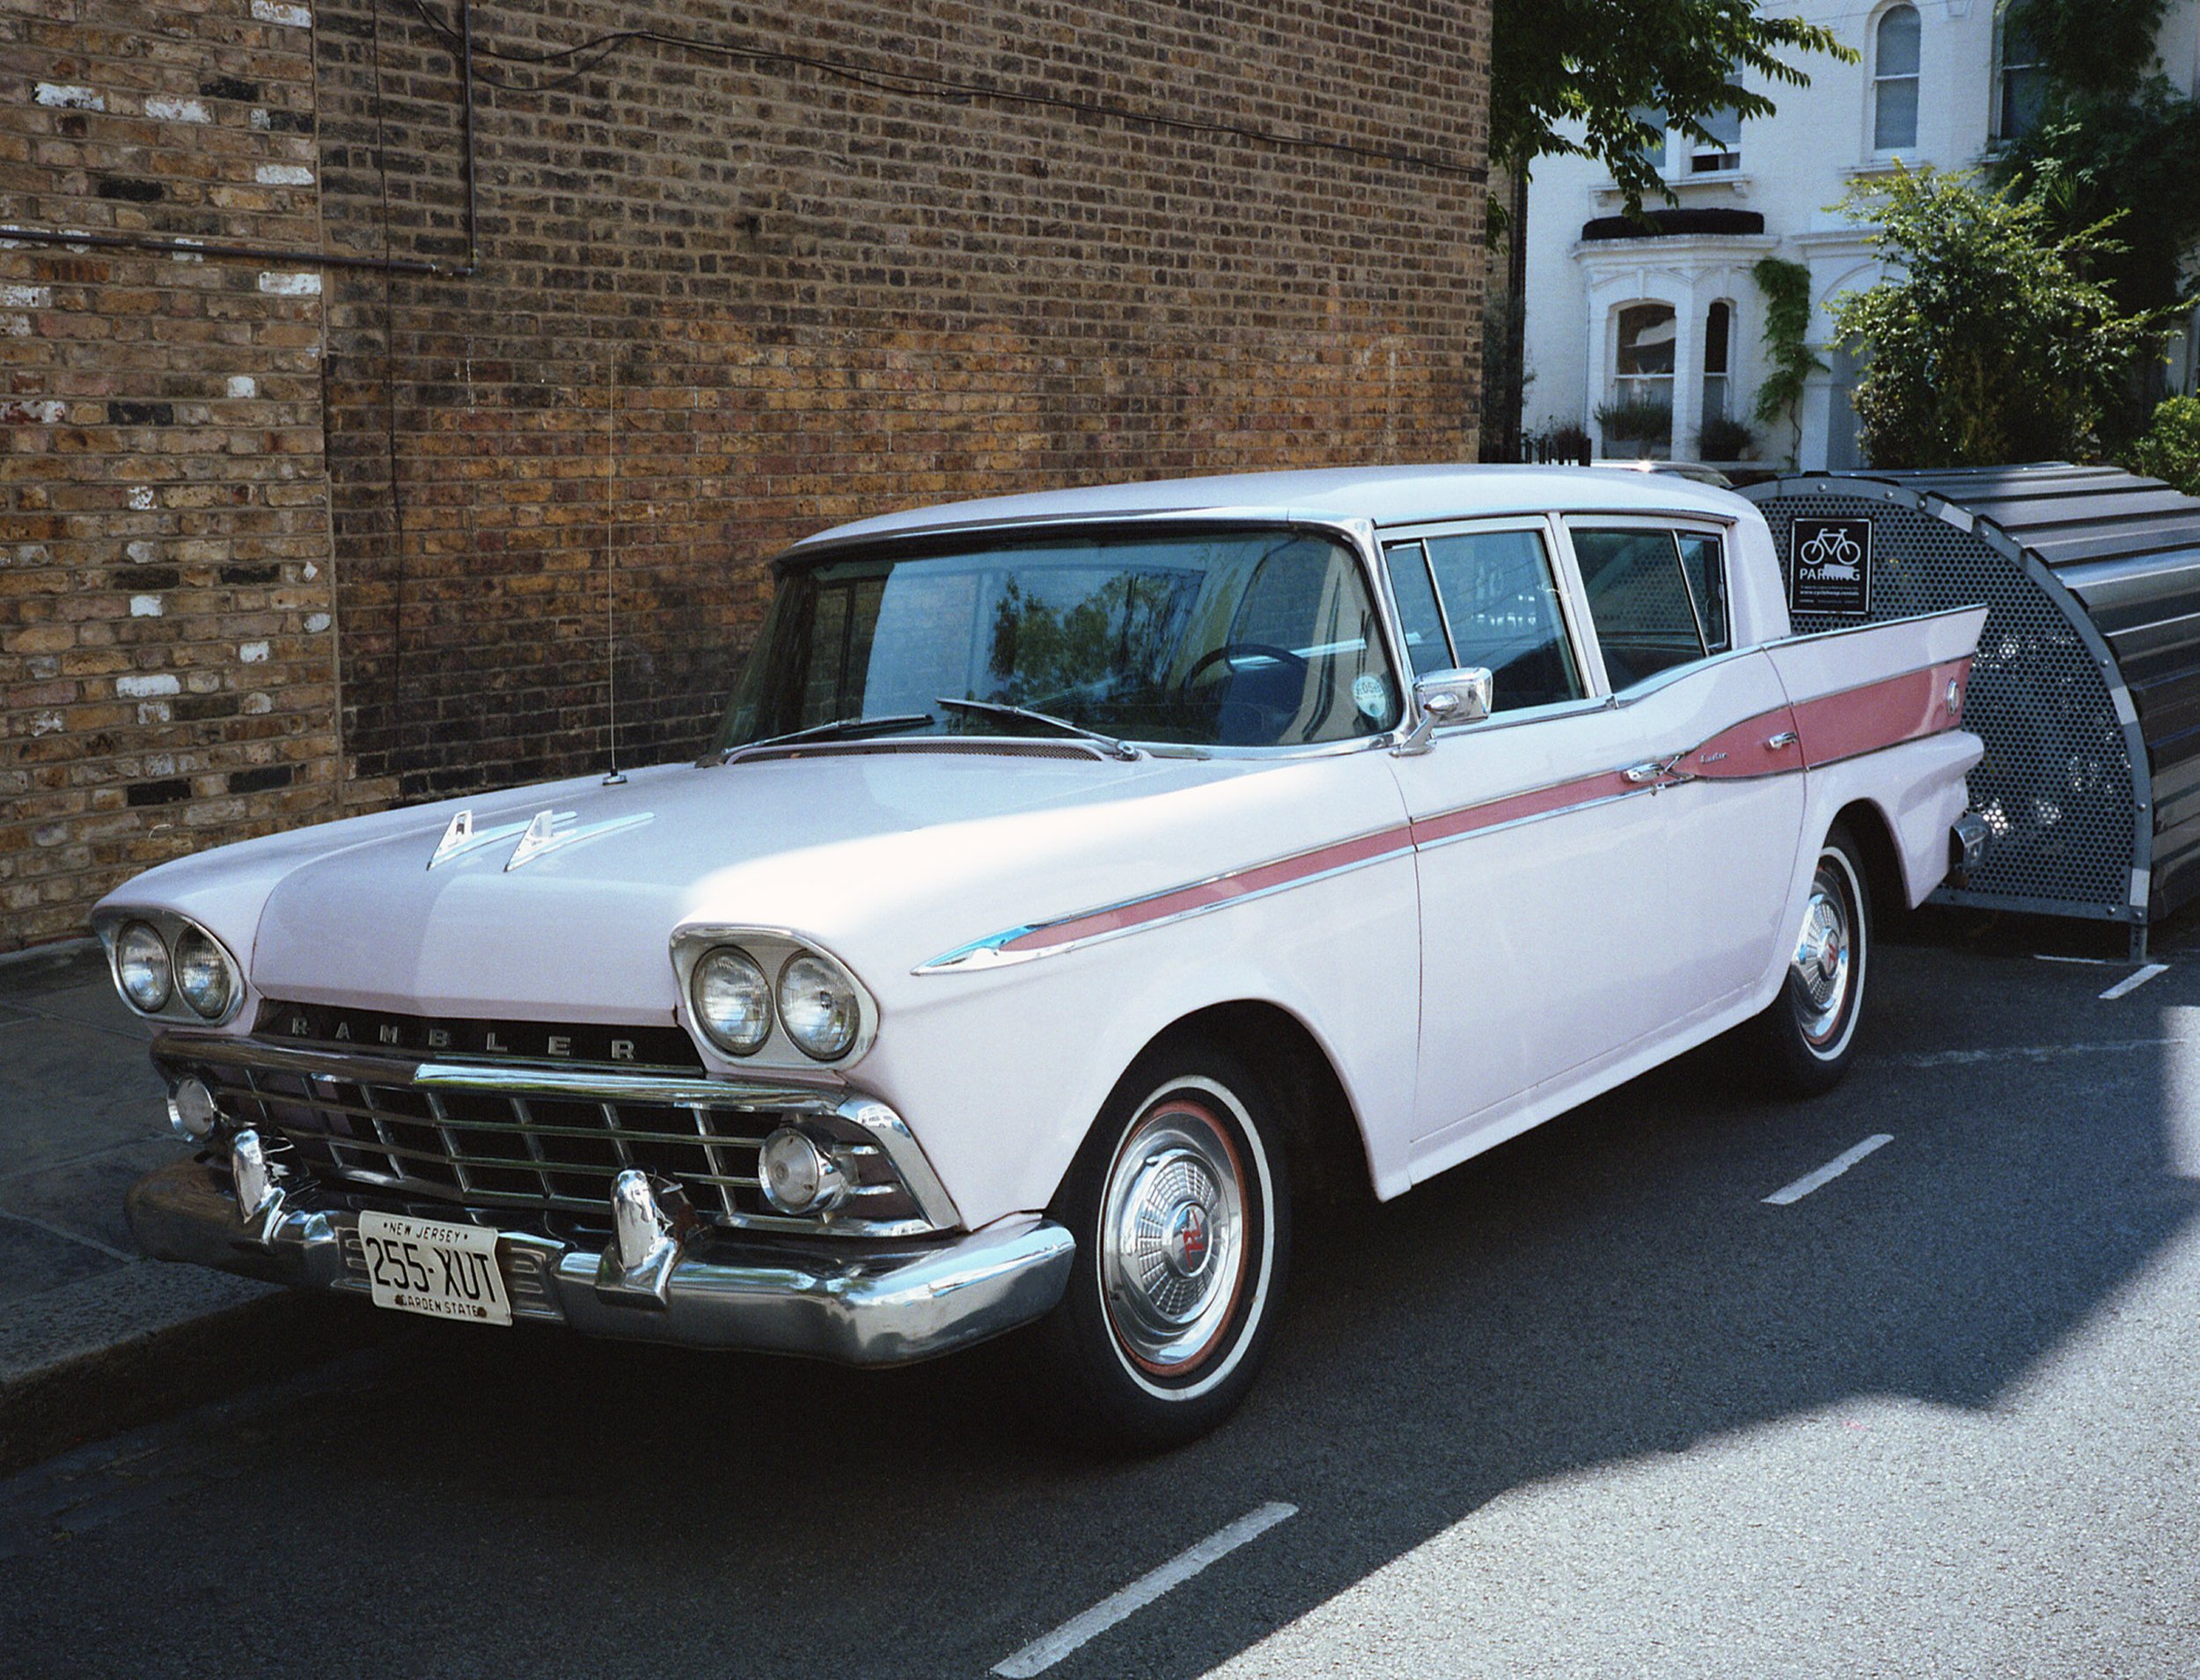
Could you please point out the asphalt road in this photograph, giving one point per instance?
(1588, 1406)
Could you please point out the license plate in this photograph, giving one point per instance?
(443, 1271)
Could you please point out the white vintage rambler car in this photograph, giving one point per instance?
(1074, 874)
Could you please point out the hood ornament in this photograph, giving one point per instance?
(547, 831)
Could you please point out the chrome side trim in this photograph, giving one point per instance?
(1535, 817)
(988, 953)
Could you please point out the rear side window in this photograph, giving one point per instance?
(1653, 606)
(1499, 610)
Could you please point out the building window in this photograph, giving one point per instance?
(1718, 328)
(2019, 78)
(1674, 152)
(1640, 412)
(1895, 54)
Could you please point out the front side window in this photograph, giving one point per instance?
(1896, 49)
(1657, 599)
(1493, 604)
(1245, 638)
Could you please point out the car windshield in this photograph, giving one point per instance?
(1239, 638)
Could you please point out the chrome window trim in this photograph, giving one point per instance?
(1709, 525)
(1356, 535)
(1565, 582)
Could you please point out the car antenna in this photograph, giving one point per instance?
(616, 777)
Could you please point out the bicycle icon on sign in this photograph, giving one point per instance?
(1832, 553)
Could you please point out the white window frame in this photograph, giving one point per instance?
(1878, 80)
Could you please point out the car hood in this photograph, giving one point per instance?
(884, 858)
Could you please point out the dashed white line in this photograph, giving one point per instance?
(2031, 1051)
(2132, 982)
(2050, 957)
(1828, 1173)
(1044, 1654)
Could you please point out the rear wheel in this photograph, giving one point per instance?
(1180, 1210)
(1810, 1033)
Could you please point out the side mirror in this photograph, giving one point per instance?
(1447, 697)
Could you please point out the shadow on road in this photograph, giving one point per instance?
(1610, 1285)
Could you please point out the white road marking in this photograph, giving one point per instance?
(2132, 982)
(2029, 1051)
(2097, 962)
(1828, 1173)
(1044, 1654)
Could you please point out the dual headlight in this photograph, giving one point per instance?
(813, 998)
(151, 971)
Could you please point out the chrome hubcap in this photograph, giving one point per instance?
(1172, 1235)
(1822, 962)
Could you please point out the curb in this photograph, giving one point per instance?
(145, 1375)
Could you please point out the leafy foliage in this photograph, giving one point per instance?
(1635, 420)
(1724, 439)
(1994, 345)
(2169, 449)
(1598, 62)
(1786, 289)
(2096, 47)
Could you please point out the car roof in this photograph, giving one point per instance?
(1387, 495)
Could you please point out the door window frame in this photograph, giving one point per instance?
(1675, 525)
(1565, 584)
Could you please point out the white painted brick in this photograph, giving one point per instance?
(253, 653)
(259, 119)
(283, 175)
(160, 764)
(282, 285)
(257, 705)
(165, 109)
(147, 687)
(273, 12)
(145, 606)
(27, 297)
(141, 496)
(140, 551)
(70, 99)
(15, 325)
(311, 571)
(316, 622)
(46, 413)
(156, 711)
(47, 722)
(243, 385)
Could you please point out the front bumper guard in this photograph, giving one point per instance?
(874, 1304)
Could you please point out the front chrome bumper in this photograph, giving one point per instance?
(856, 1303)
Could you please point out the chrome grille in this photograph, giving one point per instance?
(540, 1142)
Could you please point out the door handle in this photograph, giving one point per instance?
(1651, 770)
(1784, 738)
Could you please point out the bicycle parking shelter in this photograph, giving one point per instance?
(2087, 686)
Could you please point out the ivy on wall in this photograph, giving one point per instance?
(1785, 287)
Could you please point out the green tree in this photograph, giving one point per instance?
(2115, 141)
(1995, 344)
(1600, 62)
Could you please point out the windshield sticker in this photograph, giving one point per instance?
(1372, 695)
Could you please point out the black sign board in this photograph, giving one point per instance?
(1829, 567)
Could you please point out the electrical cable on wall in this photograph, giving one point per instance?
(907, 85)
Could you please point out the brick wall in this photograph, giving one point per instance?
(166, 608)
(720, 303)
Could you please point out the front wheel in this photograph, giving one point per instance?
(1810, 1033)
(1180, 1209)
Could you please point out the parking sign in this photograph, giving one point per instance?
(1829, 566)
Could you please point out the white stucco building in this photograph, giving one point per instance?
(1675, 317)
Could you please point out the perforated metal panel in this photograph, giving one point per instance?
(2057, 783)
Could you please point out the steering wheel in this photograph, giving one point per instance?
(1231, 650)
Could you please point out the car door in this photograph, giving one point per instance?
(1529, 839)
(1725, 819)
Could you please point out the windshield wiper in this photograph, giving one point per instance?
(1025, 714)
(841, 728)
